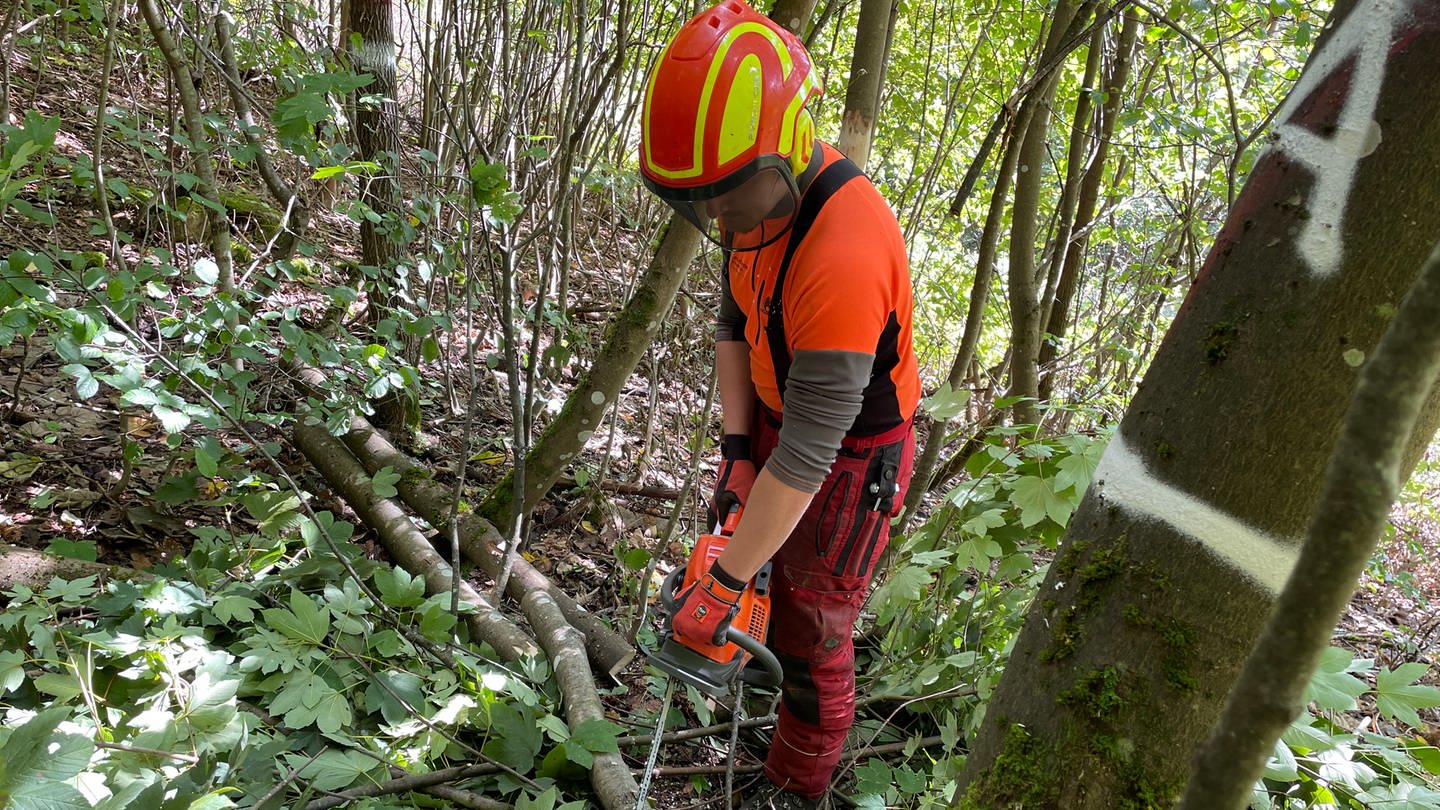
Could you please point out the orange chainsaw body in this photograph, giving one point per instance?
(712, 668)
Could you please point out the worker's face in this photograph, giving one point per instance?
(743, 209)
(749, 216)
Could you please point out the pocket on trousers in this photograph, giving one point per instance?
(818, 620)
(832, 508)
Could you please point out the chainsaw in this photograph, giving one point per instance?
(715, 670)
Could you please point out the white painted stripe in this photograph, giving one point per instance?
(1123, 479)
(1365, 38)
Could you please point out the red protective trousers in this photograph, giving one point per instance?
(819, 582)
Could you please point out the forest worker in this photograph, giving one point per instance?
(817, 375)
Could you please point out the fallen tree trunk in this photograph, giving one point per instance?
(479, 540)
(609, 775)
(35, 569)
(403, 541)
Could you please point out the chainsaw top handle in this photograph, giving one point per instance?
(733, 634)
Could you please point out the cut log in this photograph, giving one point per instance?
(403, 541)
(35, 569)
(479, 540)
(610, 777)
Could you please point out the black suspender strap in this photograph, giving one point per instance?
(834, 176)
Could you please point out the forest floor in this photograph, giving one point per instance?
(64, 482)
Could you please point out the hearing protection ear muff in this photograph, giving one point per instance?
(804, 143)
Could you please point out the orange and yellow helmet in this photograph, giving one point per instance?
(726, 101)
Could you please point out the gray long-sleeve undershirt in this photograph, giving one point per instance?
(823, 396)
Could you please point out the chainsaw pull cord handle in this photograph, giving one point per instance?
(740, 638)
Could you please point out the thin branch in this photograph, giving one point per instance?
(150, 752)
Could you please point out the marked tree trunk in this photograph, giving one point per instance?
(867, 74)
(1194, 518)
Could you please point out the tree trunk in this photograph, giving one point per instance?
(207, 190)
(793, 14)
(1077, 152)
(372, 49)
(479, 539)
(35, 569)
(1074, 251)
(1193, 521)
(1024, 219)
(376, 125)
(1364, 478)
(867, 69)
(403, 541)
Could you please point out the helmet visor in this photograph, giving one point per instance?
(740, 213)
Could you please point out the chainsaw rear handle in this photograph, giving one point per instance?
(733, 634)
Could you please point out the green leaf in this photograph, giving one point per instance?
(207, 456)
(514, 738)
(86, 386)
(946, 403)
(12, 670)
(636, 558)
(332, 770)
(1398, 695)
(909, 780)
(38, 759)
(232, 608)
(1037, 500)
(981, 524)
(595, 736)
(578, 754)
(1075, 471)
(74, 549)
(386, 686)
(1401, 796)
(488, 183)
(210, 704)
(172, 420)
(274, 510)
(1424, 753)
(904, 585)
(215, 800)
(139, 397)
(1332, 687)
(1282, 764)
(383, 482)
(436, 620)
(305, 621)
(399, 588)
(545, 801)
(873, 777)
(63, 686)
(206, 270)
(977, 554)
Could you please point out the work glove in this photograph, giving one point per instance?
(704, 610)
(737, 476)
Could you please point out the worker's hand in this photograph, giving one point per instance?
(737, 476)
(704, 610)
